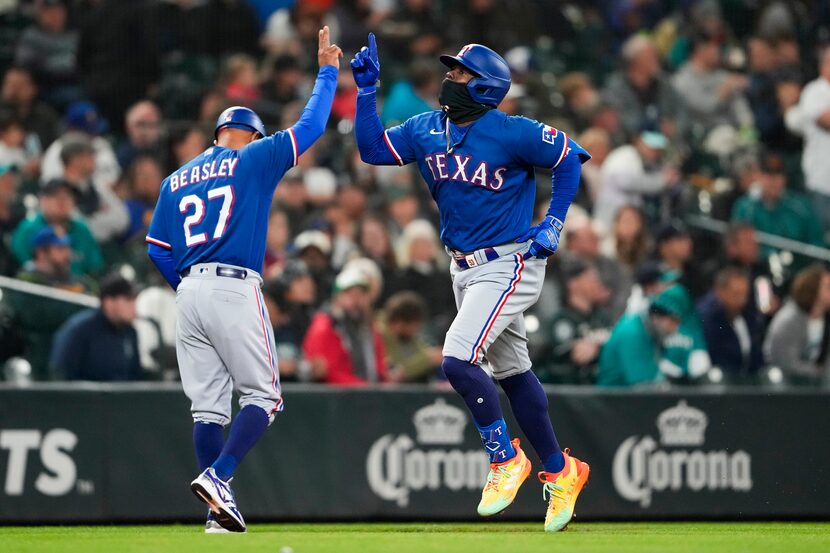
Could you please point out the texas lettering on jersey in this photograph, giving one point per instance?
(458, 167)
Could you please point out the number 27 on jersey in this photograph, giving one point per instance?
(192, 236)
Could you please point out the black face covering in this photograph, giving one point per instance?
(459, 105)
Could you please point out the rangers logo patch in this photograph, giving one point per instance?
(549, 134)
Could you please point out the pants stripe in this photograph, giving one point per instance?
(511, 287)
(271, 363)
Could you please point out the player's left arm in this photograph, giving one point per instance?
(376, 145)
(539, 145)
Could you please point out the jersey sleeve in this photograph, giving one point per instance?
(534, 143)
(158, 233)
(400, 141)
(271, 157)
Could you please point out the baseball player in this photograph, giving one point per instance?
(479, 166)
(207, 237)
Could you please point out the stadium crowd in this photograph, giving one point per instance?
(695, 251)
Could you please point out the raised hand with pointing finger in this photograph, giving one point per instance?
(327, 53)
(365, 65)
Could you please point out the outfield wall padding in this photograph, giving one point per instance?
(97, 453)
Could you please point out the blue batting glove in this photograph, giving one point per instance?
(545, 238)
(365, 65)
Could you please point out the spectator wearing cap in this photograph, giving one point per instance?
(712, 95)
(686, 355)
(101, 344)
(11, 213)
(301, 297)
(84, 121)
(635, 351)
(51, 263)
(57, 209)
(664, 341)
(313, 248)
(408, 356)
(49, 49)
(634, 174)
(578, 331)
(814, 107)
(649, 280)
(776, 210)
(343, 344)
(731, 325)
(798, 339)
(105, 212)
(144, 133)
(641, 93)
(674, 249)
(20, 94)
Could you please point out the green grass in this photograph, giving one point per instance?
(425, 538)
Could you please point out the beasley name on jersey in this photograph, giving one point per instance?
(481, 175)
(215, 207)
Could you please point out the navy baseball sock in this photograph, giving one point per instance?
(247, 428)
(482, 398)
(530, 407)
(208, 439)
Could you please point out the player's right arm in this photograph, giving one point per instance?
(159, 246)
(376, 145)
(279, 152)
(313, 120)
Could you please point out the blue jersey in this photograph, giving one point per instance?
(481, 175)
(215, 208)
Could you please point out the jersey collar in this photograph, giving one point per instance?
(455, 134)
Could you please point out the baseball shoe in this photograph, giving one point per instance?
(503, 483)
(561, 490)
(219, 497)
(212, 526)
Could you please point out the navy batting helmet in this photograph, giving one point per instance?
(492, 75)
(238, 117)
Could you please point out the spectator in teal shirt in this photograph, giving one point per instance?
(57, 208)
(409, 98)
(650, 345)
(778, 211)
